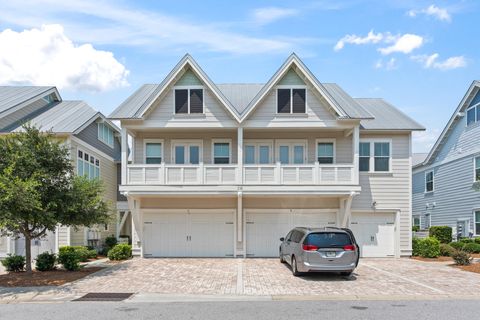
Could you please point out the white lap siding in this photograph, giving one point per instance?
(390, 190)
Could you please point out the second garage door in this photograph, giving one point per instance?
(375, 233)
(189, 234)
(265, 227)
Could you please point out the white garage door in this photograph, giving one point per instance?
(375, 233)
(208, 233)
(264, 228)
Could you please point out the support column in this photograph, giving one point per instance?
(240, 155)
(348, 211)
(137, 230)
(356, 147)
(240, 217)
(124, 158)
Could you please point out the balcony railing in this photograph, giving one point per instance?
(265, 174)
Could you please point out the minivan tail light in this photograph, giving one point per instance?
(349, 247)
(309, 247)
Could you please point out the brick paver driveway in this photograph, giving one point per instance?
(373, 277)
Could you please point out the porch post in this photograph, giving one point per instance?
(239, 217)
(124, 158)
(356, 147)
(240, 155)
(137, 230)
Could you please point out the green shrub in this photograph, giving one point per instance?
(92, 254)
(415, 228)
(442, 233)
(83, 253)
(415, 246)
(45, 261)
(457, 245)
(466, 240)
(472, 247)
(477, 240)
(14, 263)
(429, 247)
(120, 252)
(461, 258)
(446, 250)
(69, 259)
(110, 242)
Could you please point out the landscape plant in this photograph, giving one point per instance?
(442, 233)
(461, 257)
(14, 263)
(39, 190)
(121, 251)
(45, 261)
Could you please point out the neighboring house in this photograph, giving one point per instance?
(224, 170)
(95, 151)
(442, 183)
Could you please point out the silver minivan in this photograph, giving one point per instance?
(326, 249)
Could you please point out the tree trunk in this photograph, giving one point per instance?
(28, 254)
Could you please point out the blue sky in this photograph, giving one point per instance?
(419, 55)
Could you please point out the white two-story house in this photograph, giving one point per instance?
(225, 170)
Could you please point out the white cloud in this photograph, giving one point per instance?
(371, 37)
(109, 22)
(432, 62)
(404, 44)
(438, 13)
(46, 56)
(263, 16)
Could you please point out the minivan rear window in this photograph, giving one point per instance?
(328, 239)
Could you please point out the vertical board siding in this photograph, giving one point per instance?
(90, 136)
(291, 78)
(453, 194)
(390, 190)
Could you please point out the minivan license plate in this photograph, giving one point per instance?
(330, 254)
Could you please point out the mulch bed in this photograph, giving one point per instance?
(46, 278)
(473, 267)
(441, 259)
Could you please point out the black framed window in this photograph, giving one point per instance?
(298, 100)
(188, 100)
(283, 100)
(382, 156)
(364, 156)
(291, 100)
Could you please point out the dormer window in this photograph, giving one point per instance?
(291, 100)
(473, 114)
(188, 100)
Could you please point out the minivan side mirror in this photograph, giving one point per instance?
(282, 239)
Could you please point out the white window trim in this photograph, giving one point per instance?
(334, 141)
(475, 106)
(109, 128)
(291, 143)
(145, 141)
(229, 141)
(187, 143)
(83, 159)
(188, 99)
(475, 168)
(433, 181)
(291, 87)
(419, 216)
(257, 143)
(372, 156)
(474, 223)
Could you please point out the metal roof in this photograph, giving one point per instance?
(62, 117)
(12, 96)
(346, 102)
(387, 117)
(418, 158)
(135, 102)
(240, 94)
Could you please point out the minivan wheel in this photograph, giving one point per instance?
(294, 267)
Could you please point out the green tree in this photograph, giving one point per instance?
(39, 190)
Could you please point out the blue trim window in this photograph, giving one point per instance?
(473, 114)
(477, 168)
(429, 178)
(105, 134)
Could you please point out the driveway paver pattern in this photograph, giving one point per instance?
(373, 277)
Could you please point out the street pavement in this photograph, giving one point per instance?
(260, 310)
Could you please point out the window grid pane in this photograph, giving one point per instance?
(179, 155)
(221, 153)
(283, 100)
(284, 154)
(470, 116)
(298, 101)
(364, 164)
(194, 154)
(249, 154)
(264, 155)
(181, 101)
(196, 101)
(364, 149)
(298, 154)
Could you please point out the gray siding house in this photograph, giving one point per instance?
(95, 151)
(442, 182)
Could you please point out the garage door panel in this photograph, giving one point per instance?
(264, 229)
(165, 235)
(375, 234)
(211, 235)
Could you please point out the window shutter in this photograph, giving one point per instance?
(299, 101)
(181, 101)
(196, 101)
(283, 100)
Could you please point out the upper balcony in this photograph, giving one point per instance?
(237, 158)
